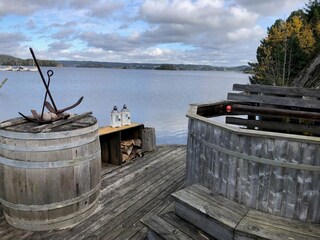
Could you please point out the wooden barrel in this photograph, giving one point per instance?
(271, 172)
(49, 180)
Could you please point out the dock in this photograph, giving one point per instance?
(128, 193)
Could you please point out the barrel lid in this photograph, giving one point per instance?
(21, 125)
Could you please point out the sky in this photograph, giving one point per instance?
(210, 32)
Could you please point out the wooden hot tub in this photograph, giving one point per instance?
(273, 172)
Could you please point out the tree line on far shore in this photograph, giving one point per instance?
(7, 60)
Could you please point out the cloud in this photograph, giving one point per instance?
(201, 24)
(160, 55)
(13, 44)
(245, 34)
(10, 41)
(158, 52)
(23, 8)
(105, 9)
(109, 41)
(59, 46)
(78, 4)
(202, 13)
(179, 11)
(216, 32)
(64, 34)
(270, 7)
(18, 7)
(169, 33)
(31, 24)
(64, 25)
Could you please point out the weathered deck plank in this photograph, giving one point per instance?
(127, 194)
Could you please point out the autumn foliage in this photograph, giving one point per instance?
(289, 47)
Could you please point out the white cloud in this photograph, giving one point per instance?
(201, 24)
(156, 52)
(104, 9)
(215, 32)
(270, 7)
(181, 11)
(240, 17)
(245, 34)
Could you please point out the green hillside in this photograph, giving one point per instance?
(13, 61)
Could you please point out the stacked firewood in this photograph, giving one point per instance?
(131, 149)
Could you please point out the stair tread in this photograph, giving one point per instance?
(225, 219)
(186, 227)
(170, 226)
(213, 206)
(268, 226)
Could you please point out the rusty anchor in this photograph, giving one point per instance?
(52, 108)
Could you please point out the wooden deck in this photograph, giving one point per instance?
(128, 193)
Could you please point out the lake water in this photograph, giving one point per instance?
(158, 99)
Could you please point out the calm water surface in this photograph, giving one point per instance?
(157, 99)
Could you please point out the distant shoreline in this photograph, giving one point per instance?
(6, 60)
(152, 66)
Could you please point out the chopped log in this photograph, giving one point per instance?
(125, 157)
(133, 153)
(137, 142)
(131, 149)
(126, 149)
(139, 153)
(127, 143)
(136, 153)
(148, 139)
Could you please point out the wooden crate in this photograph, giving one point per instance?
(110, 141)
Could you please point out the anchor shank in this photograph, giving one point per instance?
(43, 80)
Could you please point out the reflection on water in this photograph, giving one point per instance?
(157, 99)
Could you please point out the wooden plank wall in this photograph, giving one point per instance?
(275, 108)
(272, 174)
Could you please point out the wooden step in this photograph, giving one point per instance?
(260, 225)
(169, 226)
(222, 218)
(213, 214)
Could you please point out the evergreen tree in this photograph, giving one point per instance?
(289, 47)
